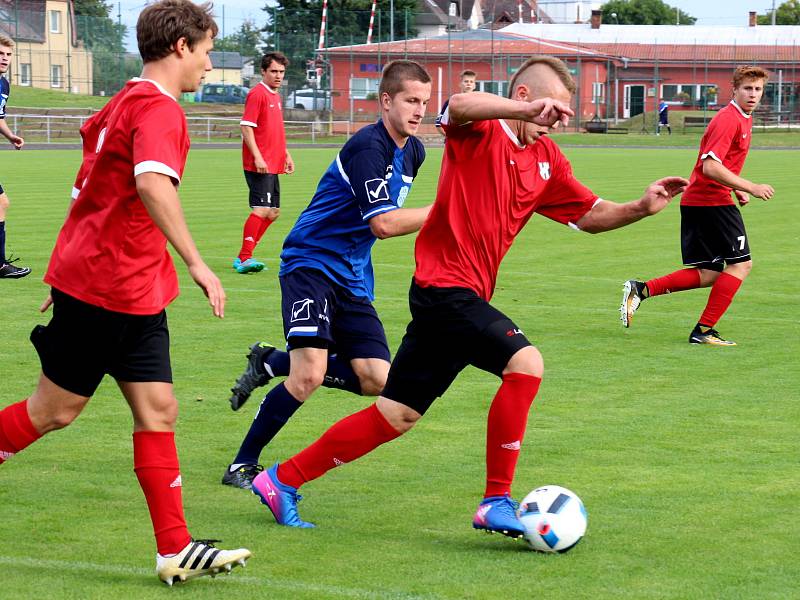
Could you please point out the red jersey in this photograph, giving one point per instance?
(263, 112)
(727, 141)
(489, 187)
(109, 252)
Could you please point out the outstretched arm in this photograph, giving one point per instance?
(482, 106)
(605, 216)
(398, 222)
(721, 174)
(161, 200)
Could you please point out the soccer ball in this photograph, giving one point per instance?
(554, 519)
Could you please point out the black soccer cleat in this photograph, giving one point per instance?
(633, 294)
(9, 271)
(708, 335)
(255, 374)
(241, 477)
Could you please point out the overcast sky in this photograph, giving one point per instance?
(707, 12)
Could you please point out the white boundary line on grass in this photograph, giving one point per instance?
(236, 578)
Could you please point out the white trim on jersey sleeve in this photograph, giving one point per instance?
(574, 225)
(379, 210)
(153, 166)
(341, 171)
(75, 192)
(444, 118)
(710, 154)
(248, 123)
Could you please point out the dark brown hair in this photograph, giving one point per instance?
(467, 73)
(554, 63)
(748, 72)
(397, 72)
(278, 57)
(162, 24)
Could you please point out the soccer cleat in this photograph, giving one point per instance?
(709, 336)
(9, 271)
(632, 297)
(251, 265)
(281, 499)
(237, 262)
(199, 558)
(255, 374)
(499, 514)
(241, 477)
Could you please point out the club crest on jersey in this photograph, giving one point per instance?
(377, 190)
(544, 170)
(301, 310)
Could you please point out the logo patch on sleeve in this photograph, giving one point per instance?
(377, 190)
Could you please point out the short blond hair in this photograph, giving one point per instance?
(6, 41)
(748, 72)
(558, 65)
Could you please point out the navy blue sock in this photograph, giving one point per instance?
(340, 375)
(2, 242)
(277, 363)
(276, 409)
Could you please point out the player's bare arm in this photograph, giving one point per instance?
(16, 140)
(250, 141)
(721, 174)
(482, 106)
(161, 200)
(398, 222)
(605, 216)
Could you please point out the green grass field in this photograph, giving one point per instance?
(686, 457)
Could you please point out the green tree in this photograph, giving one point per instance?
(787, 13)
(644, 12)
(248, 41)
(293, 27)
(111, 68)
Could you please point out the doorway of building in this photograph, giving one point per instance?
(633, 101)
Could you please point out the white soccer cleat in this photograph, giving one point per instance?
(199, 558)
(632, 297)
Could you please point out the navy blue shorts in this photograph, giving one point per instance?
(450, 328)
(318, 313)
(82, 343)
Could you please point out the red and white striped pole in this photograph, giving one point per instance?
(371, 22)
(321, 43)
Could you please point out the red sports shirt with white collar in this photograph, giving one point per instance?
(727, 141)
(489, 187)
(263, 112)
(109, 252)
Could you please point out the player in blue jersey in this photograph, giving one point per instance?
(663, 117)
(334, 336)
(7, 269)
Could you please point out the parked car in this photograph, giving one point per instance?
(222, 92)
(310, 99)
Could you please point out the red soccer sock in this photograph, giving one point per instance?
(684, 279)
(508, 418)
(344, 442)
(265, 223)
(155, 461)
(16, 430)
(251, 234)
(722, 293)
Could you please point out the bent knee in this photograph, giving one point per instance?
(301, 386)
(399, 416)
(528, 361)
(740, 270)
(4, 202)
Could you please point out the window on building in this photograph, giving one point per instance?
(56, 72)
(492, 87)
(680, 92)
(708, 95)
(598, 92)
(55, 21)
(25, 73)
(362, 87)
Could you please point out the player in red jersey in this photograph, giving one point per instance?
(498, 169)
(713, 238)
(112, 277)
(264, 156)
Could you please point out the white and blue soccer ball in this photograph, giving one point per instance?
(554, 519)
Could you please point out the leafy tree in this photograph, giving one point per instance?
(248, 41)
(787, 13)
(644, 12)
(293, 27)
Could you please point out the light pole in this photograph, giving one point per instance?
(391, 20)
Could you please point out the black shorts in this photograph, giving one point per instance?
(83, 342)
(265, 189)
(450, 328)
(318, 313)
(713, 236)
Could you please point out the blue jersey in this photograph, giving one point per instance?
(5, 90)
(370, 176)
(663, 107)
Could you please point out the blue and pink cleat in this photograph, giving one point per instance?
(498, 514)
(281, 499)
